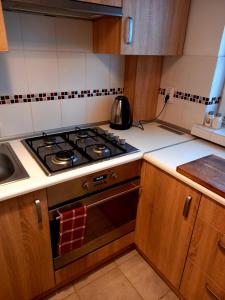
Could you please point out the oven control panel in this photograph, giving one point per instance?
(79, 187)
(102, 180)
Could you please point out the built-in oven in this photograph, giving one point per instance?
(111, 197)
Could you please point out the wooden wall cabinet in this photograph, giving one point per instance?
(163, 233)
(117, 3)
(159, 28)
(204, 275)
(3, 38)
(25, 250)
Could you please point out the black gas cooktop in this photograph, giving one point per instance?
(67, 150)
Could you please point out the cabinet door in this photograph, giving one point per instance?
(163, 233)
(197, 285)
(105, 2)
(3, 39)
(206, 256)
(25, 251)
(158, 26)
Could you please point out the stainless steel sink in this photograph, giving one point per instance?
(11, 168)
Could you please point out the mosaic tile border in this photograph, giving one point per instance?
(27, 98)
(192, 98)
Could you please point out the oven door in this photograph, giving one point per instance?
(110, 215)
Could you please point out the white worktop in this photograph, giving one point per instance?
(169, 158)
(151, 138)
(161, 147)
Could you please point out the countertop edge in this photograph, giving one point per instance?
(33, 184)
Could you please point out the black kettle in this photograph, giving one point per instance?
(121, 114)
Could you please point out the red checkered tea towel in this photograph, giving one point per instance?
(72, 229)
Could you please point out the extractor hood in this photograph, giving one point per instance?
(62, 8)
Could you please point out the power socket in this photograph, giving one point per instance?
(170, 91)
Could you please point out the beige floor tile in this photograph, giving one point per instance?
(73, 296)
(94, 275)
(169, 296)
(148, 284)
(62, 293)
(121, 259)
(111, 286)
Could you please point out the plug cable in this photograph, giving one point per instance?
(139, 124)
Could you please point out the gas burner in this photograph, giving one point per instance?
(49, 140)
(101, 149)
(64, 157)
(82, 134)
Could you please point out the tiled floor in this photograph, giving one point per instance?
(127, 277)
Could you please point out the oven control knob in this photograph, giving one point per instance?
(85, 185)
(114, 175)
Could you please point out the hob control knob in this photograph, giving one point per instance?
(122, 141)
(114, 175)
(85, 185)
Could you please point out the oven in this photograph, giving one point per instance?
(111, 197)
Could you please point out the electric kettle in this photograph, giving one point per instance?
(121, 114)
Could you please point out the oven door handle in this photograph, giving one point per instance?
(92, 201)
(114, 196)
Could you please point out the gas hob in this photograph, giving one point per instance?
(67, 150)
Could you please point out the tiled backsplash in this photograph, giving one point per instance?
(51, 59)
(27, 98)
(198, 76)
(192, 98)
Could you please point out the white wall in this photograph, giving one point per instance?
(51, 55)
(194, 71)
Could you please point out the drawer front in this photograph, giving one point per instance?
(207, 251)
(212, 213)
(196, 285)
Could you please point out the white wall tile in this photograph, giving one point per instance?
(205, 27)
(74, 112)
(73, 35)
(71, 70)
(193, 74)
(13, 76)
(172, 112)
(13, 29)
(99, 108)
(15, 119)
(117, 71)
(98, 71)
(181, 113)
(38, 32)
(42, 70)
(46, 115)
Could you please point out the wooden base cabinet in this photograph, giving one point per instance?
(205, 268)
(148, 27)
(3, 39)
(166, 214)
(25, 250)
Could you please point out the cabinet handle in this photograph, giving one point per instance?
(38, 209)
(211, 293)
(129, 31)
(187, 205)
(221, 246)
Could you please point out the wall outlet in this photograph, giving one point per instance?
(170, 91)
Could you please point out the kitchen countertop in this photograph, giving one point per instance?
(159, 146)
(152, 138)
(169, 158)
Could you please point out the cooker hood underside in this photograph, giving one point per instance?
(62, 8)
